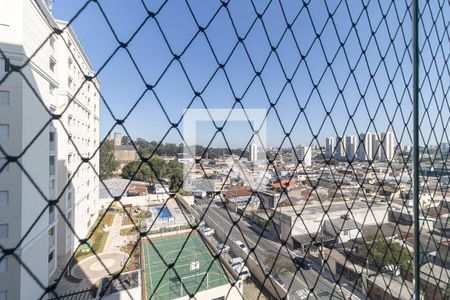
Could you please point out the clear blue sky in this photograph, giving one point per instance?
(121, 84)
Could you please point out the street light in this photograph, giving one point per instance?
(321, 240)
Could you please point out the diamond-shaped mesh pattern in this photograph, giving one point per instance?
(334, 76)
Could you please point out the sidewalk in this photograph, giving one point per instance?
(93, 268)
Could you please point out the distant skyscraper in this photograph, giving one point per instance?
(365, 146)
(117, 139)
(388, 146)
(350, 146)
(444, 148)
(340, 150)
(330, 146)
(253, 152)
(376, 148)
(303, 155)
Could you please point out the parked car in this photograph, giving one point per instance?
(222, 248)
(236, 262)
(303, 262)
(242, 272)
(200, 194)
(242, 246)
(208, 231)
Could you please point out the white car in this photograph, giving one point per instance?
(242, 272)
(242, 246)
(236, 262)
(222, 248)
(208, 231)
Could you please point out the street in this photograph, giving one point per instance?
(306, 283)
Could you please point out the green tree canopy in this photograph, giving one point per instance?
(108, 163)
(155, 169)
(383, 252)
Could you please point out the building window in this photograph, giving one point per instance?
(52, 64)
(52, 42)
(69, 83)
(4, 197)
(4, 131)
(52, 188)
(51, 231)
(52, 89)
(50, 256)
(3, 295)
(3, 231)
(4, 64)
(51, 139)
(52, 165)
(4, 98)
(4, 265)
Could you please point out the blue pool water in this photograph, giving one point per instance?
(165, 213)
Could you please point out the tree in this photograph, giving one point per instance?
(147, 171)
(174, 171)
(382, 252)
(108, 163)
(126, 140)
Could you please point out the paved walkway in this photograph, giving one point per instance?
(110, 260)
(93, 268)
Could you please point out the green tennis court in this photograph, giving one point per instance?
(191, 266)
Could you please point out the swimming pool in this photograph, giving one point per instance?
(165, 213)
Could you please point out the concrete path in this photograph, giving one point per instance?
(111, 259)
(93, 268)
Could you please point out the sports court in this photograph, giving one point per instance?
(192, 267)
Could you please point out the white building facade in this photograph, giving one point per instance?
(388, 146)
(303, 154)
(52, 82)
(253, 152)
(330, 144)
(376, 146)
(340, 149)
(350, 146)
(365, 146)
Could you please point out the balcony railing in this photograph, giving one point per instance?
(51, 217)
(51, 242)
(52, 266)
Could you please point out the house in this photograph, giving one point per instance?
(240, 198)
(283, 183)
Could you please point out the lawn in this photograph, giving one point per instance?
(98, 238)
(128, 231)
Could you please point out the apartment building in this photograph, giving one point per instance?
(253, 155)
(302, 155)
(52, 81)
(350, 146)
(329, 146)
(388, 146)
(365, 146)
(340, 148)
